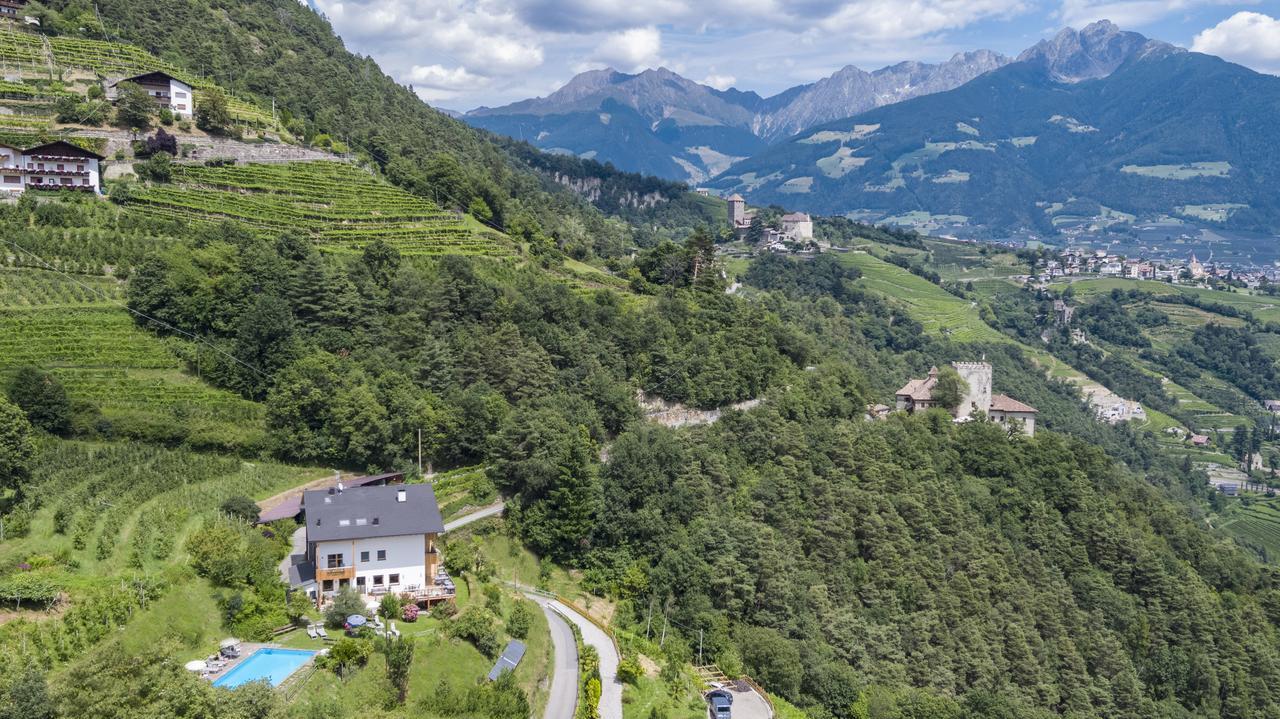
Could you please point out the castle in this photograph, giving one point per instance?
(796, 226)
(918, 395)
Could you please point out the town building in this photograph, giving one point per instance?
(738, 211)
(168, 91)
(798, 226)
(1195, 268)
(378, 540)
(918, 395)
(54, 166)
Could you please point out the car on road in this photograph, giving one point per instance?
(720, 704)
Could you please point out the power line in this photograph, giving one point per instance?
(197, 338)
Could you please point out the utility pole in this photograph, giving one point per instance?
(700, 647)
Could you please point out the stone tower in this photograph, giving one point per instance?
(978, 376)
(737, 210)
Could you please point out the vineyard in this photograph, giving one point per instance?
(105, 517)
(24, 52)
(340, 206)
(1258, 524)
(133, 378)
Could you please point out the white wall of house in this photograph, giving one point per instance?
(182, 99)
(34, 177)
(10, 170)
(1026, 419)
(403, 556)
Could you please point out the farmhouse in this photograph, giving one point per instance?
(167, 90)
(918, 395)
(56, 166)
(377, 539)
(11, 8)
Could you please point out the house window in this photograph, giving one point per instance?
(328, 585)
(84, 181)
(60, 167)
(79, 168)
(12, 179)
(382, 555)
(180, 94)
(364, 556)
(40, 166)
(360, 582)
(393, 579)
(377, 580)
(180, 106)
(335, 561)
(66, 180)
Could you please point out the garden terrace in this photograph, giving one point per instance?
(340, 206)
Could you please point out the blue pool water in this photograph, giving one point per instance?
(274, 665)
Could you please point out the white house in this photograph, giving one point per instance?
(377, 539)
(56, 166)
(798, 226)
(167, 90)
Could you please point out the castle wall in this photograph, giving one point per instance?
(978, 376)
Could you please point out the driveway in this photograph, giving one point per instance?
(610, 688)
(299, 542)
(489, 511)
(562, 700)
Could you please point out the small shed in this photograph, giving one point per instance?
(511, 656)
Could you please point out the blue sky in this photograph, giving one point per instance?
(464, 53)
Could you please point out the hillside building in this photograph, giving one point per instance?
(737, 211)
(798, 226)
(168, 91)
(11, 9)
(53, 166)
(378, 540)
(918, 395)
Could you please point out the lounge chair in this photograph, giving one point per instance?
(311, 631)
(394, 632)
(320, 630)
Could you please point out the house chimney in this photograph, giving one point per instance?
(401, 495)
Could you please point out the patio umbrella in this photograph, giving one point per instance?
(228, 643)
(196, 665)
(356, 620)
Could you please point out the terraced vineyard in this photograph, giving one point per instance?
(340, 206)
(29, 53)
(94, 348)
(1259, 525)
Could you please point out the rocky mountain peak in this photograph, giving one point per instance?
(1093, 52)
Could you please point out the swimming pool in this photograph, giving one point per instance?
(274, 665)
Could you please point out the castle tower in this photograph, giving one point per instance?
(978, 376)
(737, 210)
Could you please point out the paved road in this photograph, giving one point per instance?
(562, 700)
(299, 541)
(464, 520)
(610, 688)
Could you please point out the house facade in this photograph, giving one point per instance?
(798, 226)
(378, 540)
(917, 395)
(55, 166)
(11, 8)
(167, 90)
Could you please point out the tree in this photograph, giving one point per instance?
(134, 106)
(519, 620)
(241, 507)
(157, 168)
(16, 446)
(399, 656)
(162, 142)
(951, 389)
(346, 603)
(213, 114)
(43, 398)
(389, 606)
(265, 343)
(28, 697)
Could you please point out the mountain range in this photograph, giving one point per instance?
(1085, 128)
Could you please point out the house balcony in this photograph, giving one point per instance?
(335, 573)
(60, 173)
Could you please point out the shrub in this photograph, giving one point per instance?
(628, 670)
(348, 654)
(519, 620)
(241, 507)
(162, 142)
(43, 398)
(444, 610)
(477, 626)
(409, 613)
(389, 606)
(157, 168)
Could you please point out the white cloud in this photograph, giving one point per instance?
(1129, 13)
(1249, 38)
(630, 50)
(719, 82)
(896, 20)
(437, 82)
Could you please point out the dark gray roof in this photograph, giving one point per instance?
(511, 656)
(301, 571)
(362, 512)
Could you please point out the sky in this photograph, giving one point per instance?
(460, 54)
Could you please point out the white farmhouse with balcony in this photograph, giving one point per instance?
(378, 540)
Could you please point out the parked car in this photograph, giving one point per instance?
(720, 704)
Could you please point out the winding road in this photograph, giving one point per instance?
(562, 701)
